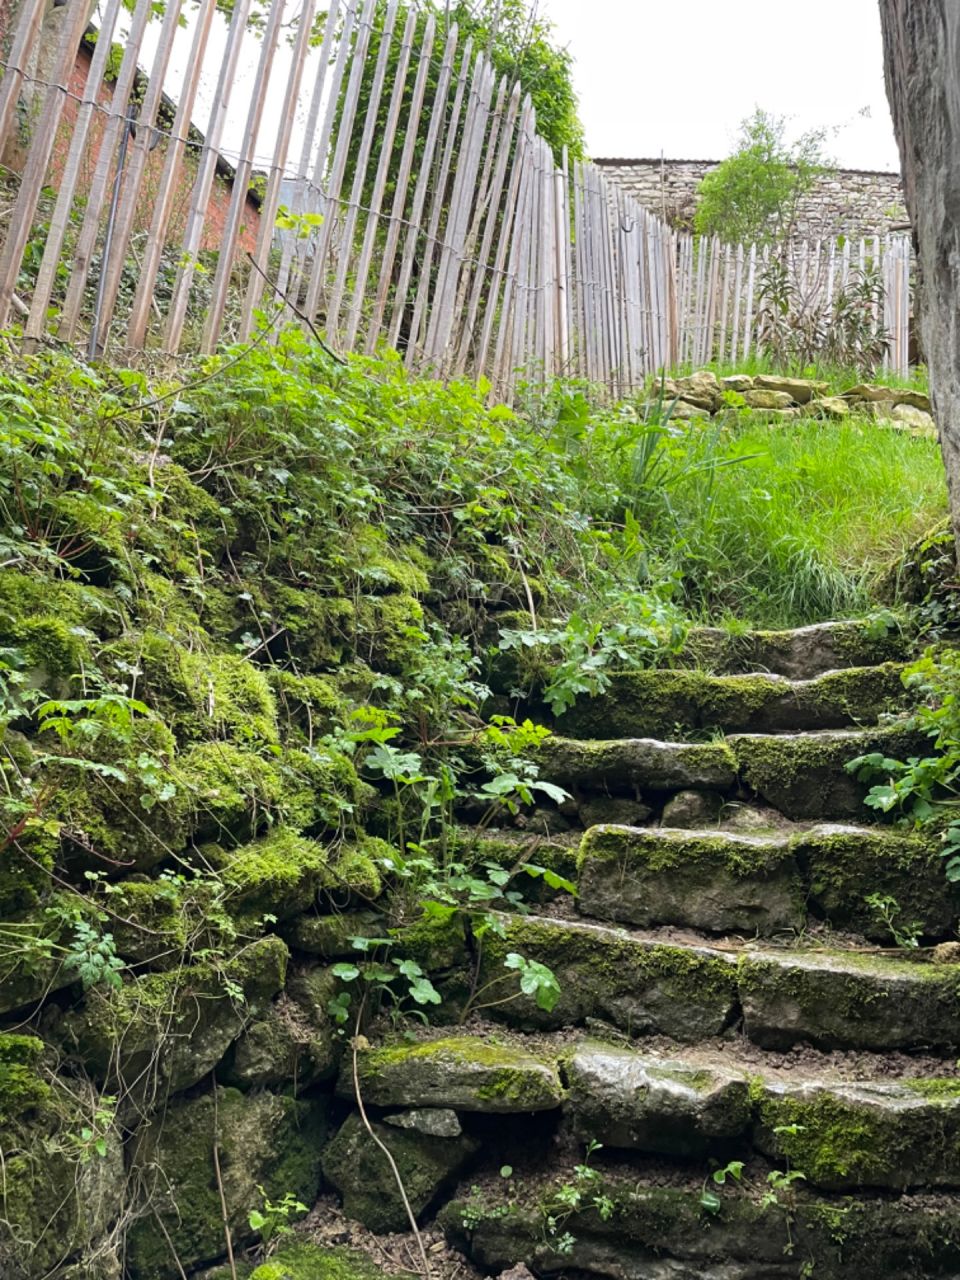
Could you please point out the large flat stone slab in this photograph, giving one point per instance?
(716, 881)
(663, 1232)
(726, 881)
(804, 775)
(873, 1134)
(460, 1072)
(643, 983)
(799, 654)
(848, 1000)
(637, 984)
(668, 704)
(643, 1103)
(631, 764)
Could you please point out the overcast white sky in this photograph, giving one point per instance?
(655, 76)
(678, 77)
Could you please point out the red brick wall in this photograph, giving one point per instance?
(219, 198)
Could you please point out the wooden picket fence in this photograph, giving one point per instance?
(422, 208)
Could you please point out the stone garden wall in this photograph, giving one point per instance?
(851, 202)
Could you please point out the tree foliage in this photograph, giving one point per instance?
(753, 195)
(522, 47)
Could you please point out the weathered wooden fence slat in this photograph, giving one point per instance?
(428, 213)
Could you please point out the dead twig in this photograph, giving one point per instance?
(383, 1146)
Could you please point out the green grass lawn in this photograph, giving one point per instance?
(796, 531)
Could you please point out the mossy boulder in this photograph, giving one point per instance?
(309, 705)
(331, 936)
(167, 1030)
(629, 764)
(148, 921)
(637, 984)
(284, 1048)
(844, 1000)
(358, 1168)
(715, 881)
(59, 1192)
(304, 1261)
(206, 695)
(21, 1086)
(355, 870)
(278, 875)
(262, 1140)
(870, 1134)
(462, 1072)
(236, 794)
(641, 1102)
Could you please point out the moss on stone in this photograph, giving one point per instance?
(106, 816)
(174, 1027)
(312, 705)
(357, 1167)
(263, 1141)
(355, 871)
(21, 1088)
(463, 1072)
(58, 1197)
(637, 985)
(844, 867)
(237, 793)
(331, 936)
(381, 568)
(315, 1262)
(148, 921)
(278, 875)
(390, 631)
(845, 1136)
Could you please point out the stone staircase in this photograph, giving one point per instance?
(727, 994)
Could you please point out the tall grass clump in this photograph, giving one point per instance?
(788, 524)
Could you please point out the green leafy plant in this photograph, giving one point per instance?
(709, 1200)
(273, 1219)
(905, 934)
(752, 196)
(924, 790)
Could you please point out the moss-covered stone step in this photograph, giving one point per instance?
(804, 775)
(628, 765)
(800, 654)
(670, 703)
(710, 880)
(724, 881)
(839, 1134)
(848, 1000)
(673, 1232)
(459, 1072)
(643, 983)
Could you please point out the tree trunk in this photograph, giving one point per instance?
(921, 48)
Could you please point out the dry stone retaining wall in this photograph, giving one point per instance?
(851, 202)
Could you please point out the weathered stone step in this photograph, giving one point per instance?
(669, 704)
(648, 983)
(649, 1229)
(805, 775)
(839, 1134)
(799, 654)
(725, 881)
(627, 765)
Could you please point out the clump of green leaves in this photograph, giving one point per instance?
(925, 790)
(752, 196)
